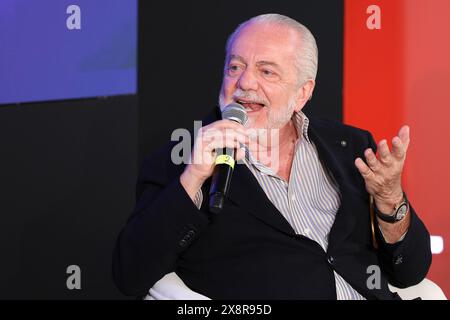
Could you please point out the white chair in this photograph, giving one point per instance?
(171, 287)
(426, 290)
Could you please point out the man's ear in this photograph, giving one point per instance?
(304, 94)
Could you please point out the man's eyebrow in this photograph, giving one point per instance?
(237, 57)
(268, 63)
(259, 63)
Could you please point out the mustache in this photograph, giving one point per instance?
(249, 96)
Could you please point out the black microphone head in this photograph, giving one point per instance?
(236, 112)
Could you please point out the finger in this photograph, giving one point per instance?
(211, 135)
(383, 151)
(236, 134)
(372, 160)
(219, 144)
(403, 134)
(222, 135)
(363, 169)
(225, 123)
(398, 148)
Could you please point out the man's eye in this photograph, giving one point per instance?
(269, 75)
(234, 69)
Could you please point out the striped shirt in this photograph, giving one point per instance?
(311, 198)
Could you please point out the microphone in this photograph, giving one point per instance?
(224, 165)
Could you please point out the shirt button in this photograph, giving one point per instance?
(293, 197)
(191, 233)
(330, 260)
(307, 231)
(182, 243)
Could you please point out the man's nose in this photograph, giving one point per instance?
(248, 81)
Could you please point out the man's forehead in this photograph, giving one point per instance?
(261, 61)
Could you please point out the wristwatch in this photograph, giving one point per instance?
(398, 213)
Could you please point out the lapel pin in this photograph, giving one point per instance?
(343, 143)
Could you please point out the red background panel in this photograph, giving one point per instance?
(400, 74)
(372, 68)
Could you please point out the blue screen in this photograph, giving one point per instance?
(66, 49)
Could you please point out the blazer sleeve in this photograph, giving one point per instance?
(163, 224)
(406, 262)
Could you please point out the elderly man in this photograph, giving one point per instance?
(297, 227)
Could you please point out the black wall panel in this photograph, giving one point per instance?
(67, 177)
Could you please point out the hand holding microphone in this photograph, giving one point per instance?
(220, 137)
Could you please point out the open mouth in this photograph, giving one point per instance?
(251, 106)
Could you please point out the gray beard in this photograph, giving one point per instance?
(274, 121)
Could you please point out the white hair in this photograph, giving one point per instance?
(306, 61)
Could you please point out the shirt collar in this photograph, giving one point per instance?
(301, 124)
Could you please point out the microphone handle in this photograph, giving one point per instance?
(220, 183)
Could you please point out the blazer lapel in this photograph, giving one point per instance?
(246, 193)
(332, 146)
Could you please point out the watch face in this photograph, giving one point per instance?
(401, 212)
